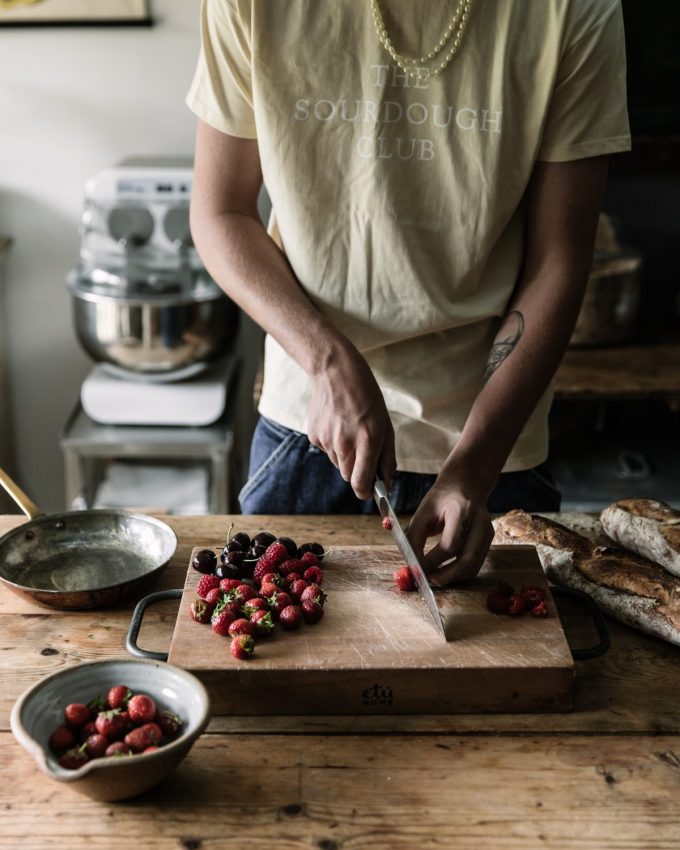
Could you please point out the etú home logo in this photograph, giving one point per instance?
(377, 695)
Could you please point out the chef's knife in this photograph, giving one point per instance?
(383, 502)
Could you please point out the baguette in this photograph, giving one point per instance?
(626, 586)
(647, 527)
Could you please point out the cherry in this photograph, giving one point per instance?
(204, 561)
(290, 545)
(316, 548)
(227, 571)
(264, 538)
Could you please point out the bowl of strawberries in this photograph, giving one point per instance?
(111, 729)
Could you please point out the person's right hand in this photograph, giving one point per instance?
(349, 421)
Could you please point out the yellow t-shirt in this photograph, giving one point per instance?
(399, 201)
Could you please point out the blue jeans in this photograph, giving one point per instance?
(288, 475)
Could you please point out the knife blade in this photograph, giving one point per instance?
(382, 500)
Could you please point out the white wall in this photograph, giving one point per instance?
(72, 101)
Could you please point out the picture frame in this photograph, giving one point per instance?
(45, 13)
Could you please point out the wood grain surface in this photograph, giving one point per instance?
(606, 775)
(377, 651)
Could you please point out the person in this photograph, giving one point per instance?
(436, 171)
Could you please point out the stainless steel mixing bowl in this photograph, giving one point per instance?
(155, 327)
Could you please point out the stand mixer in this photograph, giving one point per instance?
(144, 306)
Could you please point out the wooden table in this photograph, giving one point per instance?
(604, 776)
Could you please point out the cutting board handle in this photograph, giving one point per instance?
(598, 620)
(136, 623)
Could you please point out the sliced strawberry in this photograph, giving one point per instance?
(404, 579)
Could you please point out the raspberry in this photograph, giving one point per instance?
(297, 588)
(291, 565)
(516, 606)
(205, 584)
(532, 595)
(540, 610)
(404, 579)
(273, 555)
(313, 574)
(497, 603)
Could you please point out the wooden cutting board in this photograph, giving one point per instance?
(376, 650)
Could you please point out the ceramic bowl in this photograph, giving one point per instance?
(40, 709)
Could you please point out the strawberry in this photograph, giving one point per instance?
(532, 595)
(291, 565)
(214, 596)
(200, 611)
(74, 758)
(90, 728)
(297, 588)
(205, 584)
(253, 605)
(267, 588)
(312, 611)
(245, 592)
(169, 722)
(540, 610)
(242, 646)
(141, 708)
(273, 555)
(278, 602)
(221, 621)
(273, 578)
(290, 580)
(497, 603)
(228, 584)
(96, 746)
(314, 593)
(386, 523)
(112, 724)
(76, 714)
(118, 696)
(404, 579)
(61, 739)
(264, 625)
(516, 605)
(118, 748)
(96, 705)
(242, 627)
(151, 749)
(313, 575)
(290, 617)
(143, 736)
(309, 559)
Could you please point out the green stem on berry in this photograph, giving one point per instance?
(231, 528)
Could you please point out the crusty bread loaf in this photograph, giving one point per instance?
(648, 527)
(626, 586)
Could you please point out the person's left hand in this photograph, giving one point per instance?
(459, 514)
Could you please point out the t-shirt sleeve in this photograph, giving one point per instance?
(221, 91)
(588, 114)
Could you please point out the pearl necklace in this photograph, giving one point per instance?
(419, 67)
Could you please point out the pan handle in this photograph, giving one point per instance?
(18, 496)
(598, 620)
(136, 622)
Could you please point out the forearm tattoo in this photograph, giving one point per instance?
(508, 336)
